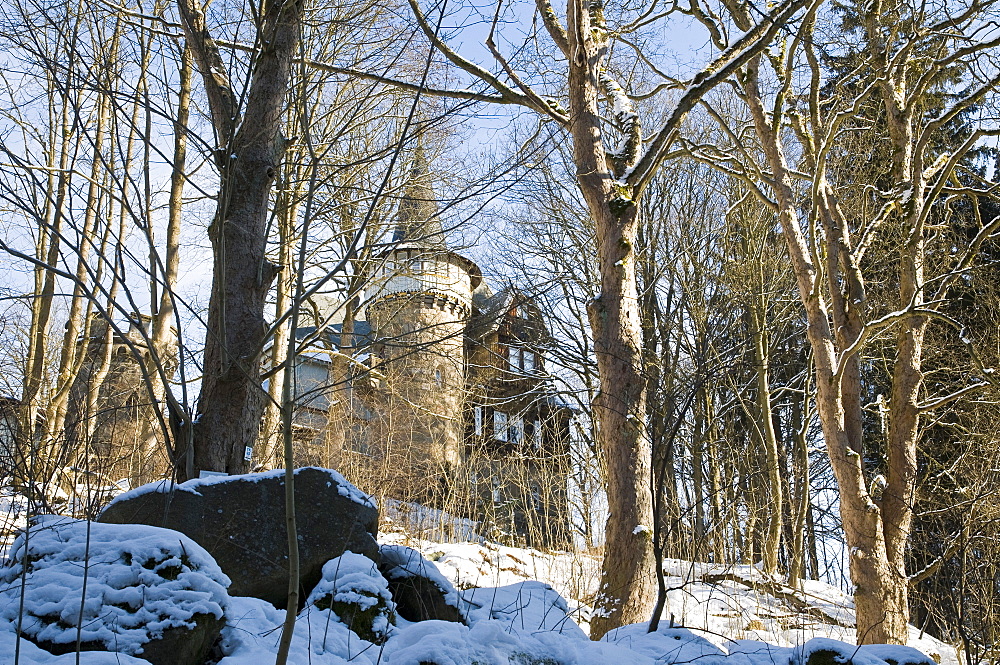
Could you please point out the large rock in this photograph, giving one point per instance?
(357, 595)
(240, 520)
(826, 651)
(150, 592)
(420, 591)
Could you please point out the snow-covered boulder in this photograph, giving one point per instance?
(138, 590)
(419, 589)
(824, 651)
(525, 607)
(358, 596)
(240, 520)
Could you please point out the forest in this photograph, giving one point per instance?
(756, 246)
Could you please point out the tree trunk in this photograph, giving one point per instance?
(800, 472)
(231, 401)
(628, 587)
(880, 591)
(772, 535)
(269, 452)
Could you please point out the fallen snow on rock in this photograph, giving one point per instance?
(344, 488)
(403, 562)
(354, 592)
(101, 583)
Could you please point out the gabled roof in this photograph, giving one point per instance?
(491, 311)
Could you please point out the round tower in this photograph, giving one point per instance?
(422, 300)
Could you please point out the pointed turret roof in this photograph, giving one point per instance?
(417, 222)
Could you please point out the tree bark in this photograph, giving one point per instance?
(765, 417)
(627, 580)
(231, 400)
(880, 592)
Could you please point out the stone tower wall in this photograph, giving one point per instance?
(421, 336)
(121, 430)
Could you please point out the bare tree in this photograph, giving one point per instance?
(828, 245)
(71, 182)
(612, 179)
(248, 151)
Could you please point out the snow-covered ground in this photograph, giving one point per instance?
(524, 607)
(721, 604)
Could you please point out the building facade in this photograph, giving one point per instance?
(113, 426)
(449, 404)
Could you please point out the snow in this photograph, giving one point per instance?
(488, 643)
(523, 607)
(351, 578)
(355, 580)
(426, 522)
(33, 655)
(484, 564)
(344, 488)
(13, 510)
(407, 562)
(139, 580)
(254, 629)
(723, 605)
(674, 645)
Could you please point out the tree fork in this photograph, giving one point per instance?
(232, 401)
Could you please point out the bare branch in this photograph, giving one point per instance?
(747, 47)
(551, 22)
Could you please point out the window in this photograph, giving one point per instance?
(519, 358)
(516, 430)
(499, 425)
(536, 434)
(477, 419)
(439, 378)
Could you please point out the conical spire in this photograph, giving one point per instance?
(417, 221)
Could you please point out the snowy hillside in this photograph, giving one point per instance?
(720, 604)
(521, 607)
